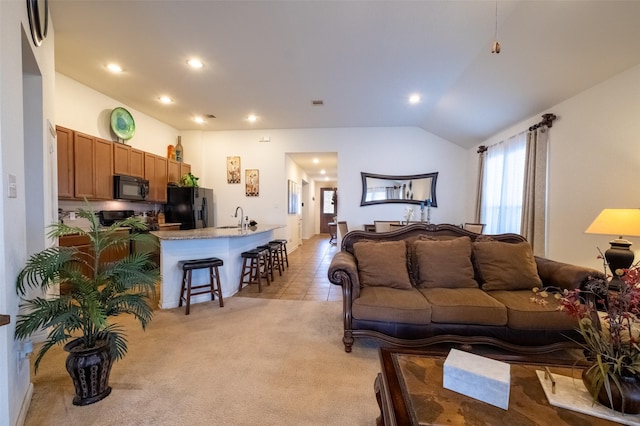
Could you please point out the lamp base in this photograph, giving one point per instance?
(619, 257)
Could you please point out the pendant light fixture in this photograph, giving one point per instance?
(495, 47)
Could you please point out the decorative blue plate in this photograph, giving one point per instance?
(122, 123)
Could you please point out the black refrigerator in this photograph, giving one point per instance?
(190, 206)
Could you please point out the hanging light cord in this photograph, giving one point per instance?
(495, 48)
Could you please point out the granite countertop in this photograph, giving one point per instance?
(221, 232)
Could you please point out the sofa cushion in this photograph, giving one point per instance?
(382, 264)
(464, 306)
(522, 314)
(506, 266)
(445, 263)
(392, 305)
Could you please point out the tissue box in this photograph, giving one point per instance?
(481, 378)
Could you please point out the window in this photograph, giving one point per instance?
(503, 185)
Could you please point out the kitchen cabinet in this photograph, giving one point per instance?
(66, 186)
(103, 172)
(184, 169)
(127, 161)
(175, 170)
(137, 163)
(93, 167)
(83, 244)
(155, 171)
(84, 165)
(121, 159)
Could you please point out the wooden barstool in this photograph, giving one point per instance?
(283, 252)
(187, 290)
(255, 267)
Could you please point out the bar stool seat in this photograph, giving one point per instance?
(255, 267)
(283, 251)
(212, 287)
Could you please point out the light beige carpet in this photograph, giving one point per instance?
(253, 362)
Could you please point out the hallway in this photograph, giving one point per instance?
(306, 278)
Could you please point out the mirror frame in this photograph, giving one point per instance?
(433, 176)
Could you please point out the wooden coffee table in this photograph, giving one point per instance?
(409, 392)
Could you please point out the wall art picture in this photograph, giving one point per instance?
(233, 169)
(252, 182)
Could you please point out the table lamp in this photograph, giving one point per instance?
(620, 222)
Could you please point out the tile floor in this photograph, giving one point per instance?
(306, 278)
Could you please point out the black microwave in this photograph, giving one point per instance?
(130, 188)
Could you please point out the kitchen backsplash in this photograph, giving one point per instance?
(67, 207)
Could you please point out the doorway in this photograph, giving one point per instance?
(328, 208)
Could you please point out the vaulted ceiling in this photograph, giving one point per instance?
(361, 58)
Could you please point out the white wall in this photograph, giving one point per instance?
(594, 164)
(81, 108)
(395, 151)
(21, 61)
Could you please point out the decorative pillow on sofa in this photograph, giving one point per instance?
(382, 264)
(506, 266)
(444, 263)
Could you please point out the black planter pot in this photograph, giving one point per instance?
(628, 392)
(89, 369)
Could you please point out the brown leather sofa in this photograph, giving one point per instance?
(426, 284)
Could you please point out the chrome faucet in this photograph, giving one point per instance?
(242, 221)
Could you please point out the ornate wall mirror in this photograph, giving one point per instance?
(411, 189)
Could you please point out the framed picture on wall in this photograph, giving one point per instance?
(233, 169)
(252, 182)
(292, 197)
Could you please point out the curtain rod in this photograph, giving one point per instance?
(547, 120)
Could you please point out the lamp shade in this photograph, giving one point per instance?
(621, 222)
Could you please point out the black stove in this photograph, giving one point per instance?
(109, 217)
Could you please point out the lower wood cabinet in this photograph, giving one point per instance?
(83, 244)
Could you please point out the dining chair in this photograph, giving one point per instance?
(343, 228)
(385, 225)
(474, 227)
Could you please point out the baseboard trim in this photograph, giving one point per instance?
(24, 408)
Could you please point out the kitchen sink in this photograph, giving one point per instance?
(228, 227)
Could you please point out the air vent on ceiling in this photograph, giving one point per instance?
(211, 116)
(317, 102)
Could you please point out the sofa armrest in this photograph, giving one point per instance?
(343, 271)
(564, 275)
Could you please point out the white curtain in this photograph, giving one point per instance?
(534, 209)
(502, 188)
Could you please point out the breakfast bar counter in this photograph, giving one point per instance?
(226, 243)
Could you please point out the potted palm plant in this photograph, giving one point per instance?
(92, 291)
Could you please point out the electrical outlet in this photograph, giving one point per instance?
(72, 215)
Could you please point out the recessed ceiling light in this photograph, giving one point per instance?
(414, 99)
(114, 67)
(316, 161)
(198, 119)
(323, 171)
(165, 99)
(252, 118)
(195, 63)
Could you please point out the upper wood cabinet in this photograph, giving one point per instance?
(66, 187)
(103, 175)
(121, 159)
(127, 161)
(175, 171)
(137, 163)
(84, 165)
(155, 171)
